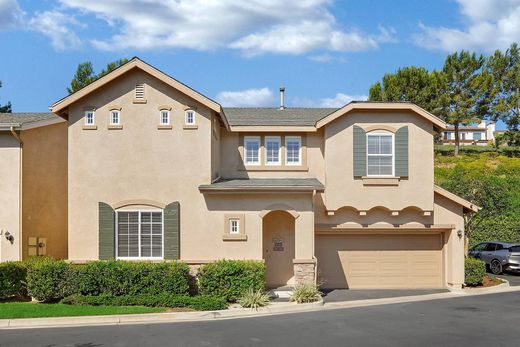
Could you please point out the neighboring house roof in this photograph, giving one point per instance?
(238, 116)
(27, 119)
(263, 184)
(452, 128)
(135, 62)
(468, 206)
(368, 105)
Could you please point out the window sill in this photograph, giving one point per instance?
(164, 127)
(237, 237)
(89, 127)
(190, 126)
(380, 181)
(139, 101)
(115, 127)
(273, 168)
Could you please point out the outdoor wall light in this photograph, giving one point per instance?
(9, 237)
(459, 233)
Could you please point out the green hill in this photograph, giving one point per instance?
(491, 180)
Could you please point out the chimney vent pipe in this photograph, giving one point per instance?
(282, 98)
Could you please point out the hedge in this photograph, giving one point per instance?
(12, 279)
(513, 152)
(474, 271)
(231, 279)
(47, 279)
(199, 303)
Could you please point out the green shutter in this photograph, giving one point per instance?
(106, 231)
(172, 231)
(360, 151)
(401, 152)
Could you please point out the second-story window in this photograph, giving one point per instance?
(190, 117)
(272, 149)
(234, 226)
(252, 150)
(165, 117)
(293, 146)
(89, 117)
(115, 117)
(380, 154)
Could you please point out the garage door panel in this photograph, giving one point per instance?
(380, 260)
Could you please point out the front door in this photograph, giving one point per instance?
(278, 248)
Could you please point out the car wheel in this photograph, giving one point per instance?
(495, 267)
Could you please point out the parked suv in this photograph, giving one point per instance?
(498, 256)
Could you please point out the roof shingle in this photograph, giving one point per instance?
(21, 118)
(238, 116)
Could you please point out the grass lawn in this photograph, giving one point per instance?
(34, 310)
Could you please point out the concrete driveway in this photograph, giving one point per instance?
(484, 320)
(338, 295)
(513, 278)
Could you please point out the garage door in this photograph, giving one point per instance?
(380, 260)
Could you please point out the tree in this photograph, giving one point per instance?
(85, 74)
(411, 84)
(7, 107)
(463, 87)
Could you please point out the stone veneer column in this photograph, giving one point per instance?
(304, 271)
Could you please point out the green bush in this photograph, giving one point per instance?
(47, 279)
(12, 279)
(474, 271)
(305, 292)
(231, 279)
(131, 278)
(199, 303)
(448, 150)
(254, 299)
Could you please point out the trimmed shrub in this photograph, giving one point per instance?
(305, 292)
(46, 279)
(231, 279)
(12, 279)
(199, 303)
(474, 271)
(254, 299)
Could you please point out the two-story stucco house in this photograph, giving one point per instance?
(139, 166)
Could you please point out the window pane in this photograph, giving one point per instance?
(379, 144)
(273, 150)
(157, 217)
(385, 144)
(373, 144)
(252, 151)
(293, 150)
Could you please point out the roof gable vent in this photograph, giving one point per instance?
(139, 97)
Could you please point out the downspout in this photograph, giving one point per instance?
(19, 139)
(314, 240)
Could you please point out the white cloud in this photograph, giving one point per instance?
(492, 24)
(339, 100)
(53, 24)
(252, 27)
(247, 98)
(10, 15)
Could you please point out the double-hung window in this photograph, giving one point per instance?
(380, 154)
(165, 117)
(234, 226)
(293, 146)
(272, 150)
(190, 117)
(252, 150)
(89, 117)
(115, 117)
(140, 234)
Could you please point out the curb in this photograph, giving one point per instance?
(273, 309)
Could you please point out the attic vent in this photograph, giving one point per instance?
(139, 91)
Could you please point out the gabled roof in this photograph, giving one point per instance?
(298, 116)
(368, 105)
(468, 206)
(27, 119)
(134, 63)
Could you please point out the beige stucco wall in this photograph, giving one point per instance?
(10, 155)
(342, 189)
(44, 178)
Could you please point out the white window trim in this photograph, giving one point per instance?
(287, 139)
(186, 117)
(139, 238)
(257, 139)
(118, 117)
(279, 140)
(161, 117)
(379, 133)
(231, 220)
(93, 118)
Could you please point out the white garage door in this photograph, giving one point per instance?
(380, 260)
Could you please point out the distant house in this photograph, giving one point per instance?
(481, 134)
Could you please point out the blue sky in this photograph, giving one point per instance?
(324, 52)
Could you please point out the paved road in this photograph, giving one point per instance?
(513, 278)
(487, 320)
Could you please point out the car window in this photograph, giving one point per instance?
(515, 249)
(499, 247)
(480, 247)
(490, 247)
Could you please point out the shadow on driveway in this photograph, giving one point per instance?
(337, 295)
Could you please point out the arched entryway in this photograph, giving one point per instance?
(279, 248)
